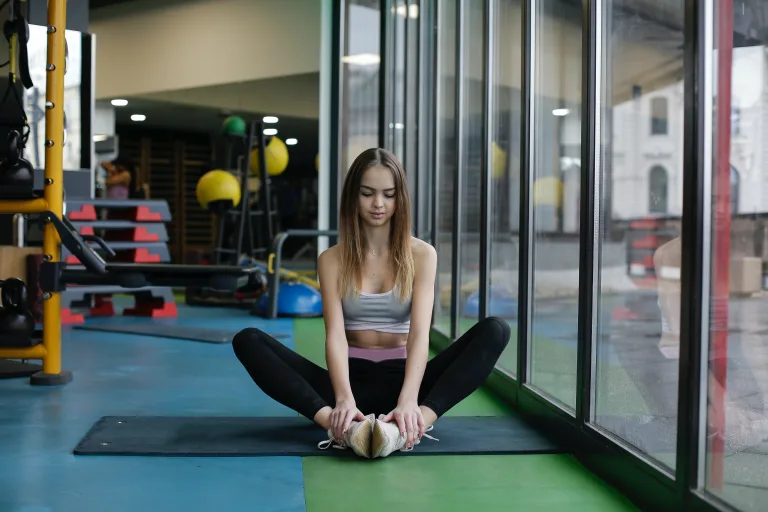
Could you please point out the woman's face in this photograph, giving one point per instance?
(376, 199)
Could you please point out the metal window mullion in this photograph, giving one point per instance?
(338, 43)
(436, 145)
(386, 36)
(591, 169)
(457, 176)
(525, 278)
(485, 196)
(696, 240)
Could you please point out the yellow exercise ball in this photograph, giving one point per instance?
(218, 187)
(276, 156)
(498, 161)
(548, 191)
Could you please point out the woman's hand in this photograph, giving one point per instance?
(409, 420)
(342, 415)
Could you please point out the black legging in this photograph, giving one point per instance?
(305, 387)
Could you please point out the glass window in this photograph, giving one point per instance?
(637, 353)
(658, 190)
(736, 460)
(659, 113)
(446, 160)
(506, 55)
(555, 195)
(471, 117)
(360, 81)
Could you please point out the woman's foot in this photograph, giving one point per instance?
(386, 439)
(357, 437)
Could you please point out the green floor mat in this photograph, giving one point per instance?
(461, 483)
(309, 341)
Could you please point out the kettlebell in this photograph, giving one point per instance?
(17, 178)
(15, 318)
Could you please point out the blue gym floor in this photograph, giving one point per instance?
(119, 374)
(125, 374)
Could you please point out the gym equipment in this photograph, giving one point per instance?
(16, 173)
(274, 272)
(501, 303)
(218, 191)
(242, 218)
(233, 125)
(56, 275)
(498, 161)
(294, 300)
(131, 210)
(295, 436)
(125, 231)
(16, 369)
(149, 301)
(16, 322)
(276, 157)
(163, 330)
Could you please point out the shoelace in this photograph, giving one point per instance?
(428, 429)
(324, 445)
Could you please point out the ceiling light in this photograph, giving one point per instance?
(270, 131)
(560, 112)
(291, 142)
(269, 119)
(399, 126)
(119, 103)
(362, 59)
(138, 117)
(100, 138)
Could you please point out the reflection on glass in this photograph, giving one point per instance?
(446, 163)
(34, 98)
(360, 81)
(555, 195)
(506, 54)
(737, 380)
(471, 163)
(641, 172)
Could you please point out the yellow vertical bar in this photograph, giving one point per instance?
(54, 174)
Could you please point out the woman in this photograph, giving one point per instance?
(377, 288)
(121, 182)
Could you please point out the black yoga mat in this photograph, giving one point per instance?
(292, 436)
(169, 331)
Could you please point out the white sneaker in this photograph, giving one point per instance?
(386, 439)
(357, 437)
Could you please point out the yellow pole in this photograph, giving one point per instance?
(54, 177)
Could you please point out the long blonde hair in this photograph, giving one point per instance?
(352, 237)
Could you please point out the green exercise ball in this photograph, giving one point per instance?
(218, 190)
(234, 125)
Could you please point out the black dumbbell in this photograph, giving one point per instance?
(16, 175)
(15, 318)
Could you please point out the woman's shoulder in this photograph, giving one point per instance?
(329, 257)
(421, 250)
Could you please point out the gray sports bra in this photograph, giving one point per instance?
(381, 312)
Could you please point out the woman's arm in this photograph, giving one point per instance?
(425, 262)
(121, 178)
(336, 348)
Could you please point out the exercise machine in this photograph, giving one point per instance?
(297, 296)
(45, 344)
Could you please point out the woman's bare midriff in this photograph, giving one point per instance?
(375, 340)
